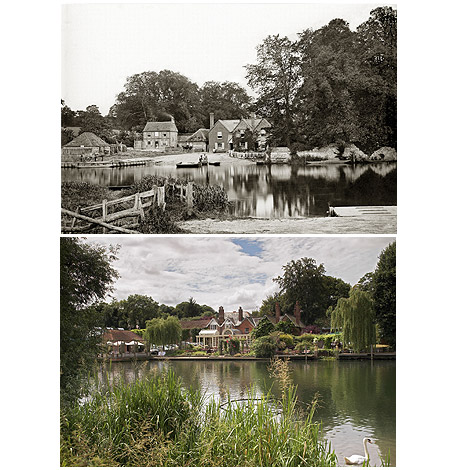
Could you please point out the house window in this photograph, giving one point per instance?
(219, 135)
(242, 134)
(165, 134)
(263, 132)
(156, 134)
(246, 330)
(221, 145)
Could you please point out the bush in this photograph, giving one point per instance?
(199, 353)
(82, 194)
(287, 339)
(264, 346)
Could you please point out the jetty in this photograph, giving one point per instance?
(362, 211)
(105, 164)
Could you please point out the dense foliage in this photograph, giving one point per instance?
(86, 276)
(384, 294)
(162, 332)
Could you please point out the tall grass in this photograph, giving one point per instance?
(157, 422)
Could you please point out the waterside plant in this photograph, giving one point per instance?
(158, 422)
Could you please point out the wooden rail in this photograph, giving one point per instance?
(132, 207)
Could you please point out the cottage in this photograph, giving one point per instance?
(198, 141)
(86, 144)
(220, 135)
(158, 135)
(236, 325)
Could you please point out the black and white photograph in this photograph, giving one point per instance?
(229, 118)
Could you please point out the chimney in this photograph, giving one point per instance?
(211, 120)
(241, 314)
(297, 313)
(277, 312)
(221, 315)
(172, 119)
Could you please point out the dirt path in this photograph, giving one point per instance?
(307, 225)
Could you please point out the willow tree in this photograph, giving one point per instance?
(355, 317)
(161, 332)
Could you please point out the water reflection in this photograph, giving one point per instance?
(271, 191)
(356, 399)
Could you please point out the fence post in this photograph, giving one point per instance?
(138, 204)
(161, 197)
(190, 197)
(104, 213)
(155, 195)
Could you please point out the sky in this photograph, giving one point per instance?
(103, 44)
(230, 272)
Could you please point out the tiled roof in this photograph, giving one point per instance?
(229, 124)
(121, 335)
(189, 324)
(160, 126)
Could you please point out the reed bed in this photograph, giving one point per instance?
(157, 422)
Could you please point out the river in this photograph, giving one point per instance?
(275, 191)
(356, 399)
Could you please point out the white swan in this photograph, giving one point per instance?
(359, 459)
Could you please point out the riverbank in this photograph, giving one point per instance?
(305, 225)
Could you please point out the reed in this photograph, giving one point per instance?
(157, 422)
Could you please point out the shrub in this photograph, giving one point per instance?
(199, 353)
(264, 346)
(287, 339)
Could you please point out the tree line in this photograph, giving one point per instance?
(136, 310)
(329, 85)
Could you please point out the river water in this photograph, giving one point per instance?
(356, 398)
(276, 191)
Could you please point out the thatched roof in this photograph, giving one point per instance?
(199, 136)
(87, 139)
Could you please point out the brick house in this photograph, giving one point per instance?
(227, 134)
(295, 319)
(256, 129)
(236, 325)
(158, 135)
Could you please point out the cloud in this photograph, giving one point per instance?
(230, 272)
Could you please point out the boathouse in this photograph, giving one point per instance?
(121, 341)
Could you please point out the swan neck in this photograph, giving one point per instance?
(365, 449)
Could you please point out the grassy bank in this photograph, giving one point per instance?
(209, 201)
(157, 422)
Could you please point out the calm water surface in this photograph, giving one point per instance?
(271, 191)
(357, 399)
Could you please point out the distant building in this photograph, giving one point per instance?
(86, 143)
(199, 140)
(158, 135)
(122, 341)
(295, 319)
(234, 134)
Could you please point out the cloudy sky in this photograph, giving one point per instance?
(103, 44)
(231, 272)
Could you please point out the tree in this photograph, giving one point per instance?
(67, 115)
(276, 77)
(326, 105)
(162, 332)
(264, 346)
(137, 309)
(384, 294)
(188, 309)
(226, 100)
(264, 328)
(91, 120)
(355, 317)
(86, 277)
(303, 281)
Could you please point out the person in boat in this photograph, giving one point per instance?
(200, 159)
(205, 158)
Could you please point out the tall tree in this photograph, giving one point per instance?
(226, 100)
(355, 317)
(276, 77)
(384, 294)
(86, 277)
(138, 309)
(67, 115)
(326, 105)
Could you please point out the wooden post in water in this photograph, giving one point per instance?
(190, 197)
(371, 352)
(104, 213)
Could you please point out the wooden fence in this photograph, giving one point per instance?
(247, 155)
(124, 214)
